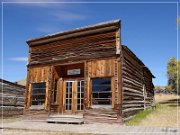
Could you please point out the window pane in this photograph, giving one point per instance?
(39, 85)
(38, 93)
(104, 95)
(82, 107)
(79, 89)
(38, 97)
(99, 88)
(82, 83)
(101, 91)
(78, 83)
(104, 81)
(38, 90)
(82, 89)
(78, 107)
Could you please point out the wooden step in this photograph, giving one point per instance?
(66, 116)
(101, 115)
(66, 119)
(89, 119)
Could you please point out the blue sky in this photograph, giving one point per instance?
(149, 30)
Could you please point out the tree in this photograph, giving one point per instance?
(173, 73)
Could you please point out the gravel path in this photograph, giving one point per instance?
(85, 128)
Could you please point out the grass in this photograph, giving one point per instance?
(140, 116)
(165, 114)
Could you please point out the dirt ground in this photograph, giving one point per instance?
(31, 132)
(164, 120)
(167, 113)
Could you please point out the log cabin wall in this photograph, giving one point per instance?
(11, 98)
(135, 84)
(149, 90)
(36, 75)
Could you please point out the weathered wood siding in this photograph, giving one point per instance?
(11, 98)
(37, 75)
(101, 68)
(135, 84)
(97, 69)
(80, 48)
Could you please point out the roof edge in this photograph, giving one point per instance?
(114, 24)
(143, 65)
(12, 83)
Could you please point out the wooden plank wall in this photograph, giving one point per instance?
(96, 69)
(36, 75)
(76, 49)
(133, 80)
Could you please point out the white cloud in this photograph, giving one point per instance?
(19, 59)
(37, 3)
(68, 16)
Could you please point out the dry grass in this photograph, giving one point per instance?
(163, 98)
(167, 113)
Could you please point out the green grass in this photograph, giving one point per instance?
(141, 115)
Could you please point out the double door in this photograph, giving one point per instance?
(73, 95)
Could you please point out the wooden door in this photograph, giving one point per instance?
(74, 95)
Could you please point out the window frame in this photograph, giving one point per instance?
(41, 100)
(110, 91)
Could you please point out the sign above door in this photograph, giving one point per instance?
(73, 72)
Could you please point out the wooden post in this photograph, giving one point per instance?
(60, 95)
(50, 88)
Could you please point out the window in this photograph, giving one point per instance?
(55, 90)
(101, 91)
(38, 93)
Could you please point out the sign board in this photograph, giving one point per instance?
(73, 72)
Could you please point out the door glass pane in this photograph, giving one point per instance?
(68, 95)
(80, 94)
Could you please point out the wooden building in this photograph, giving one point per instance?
(87, 71)
(11, 98)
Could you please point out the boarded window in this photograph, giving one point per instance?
(38, 93)
(101, 91)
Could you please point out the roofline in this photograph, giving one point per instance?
(144, 66)
(11, 83)
(91, 29)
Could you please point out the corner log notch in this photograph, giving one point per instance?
(87, 71)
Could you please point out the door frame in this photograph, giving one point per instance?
(74, 95)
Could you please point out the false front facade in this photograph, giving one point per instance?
(86, 70)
